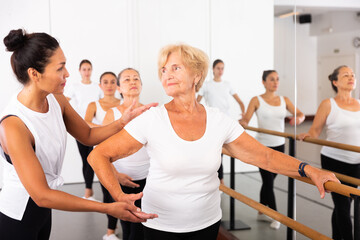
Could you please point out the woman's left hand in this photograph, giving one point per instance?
(131, 112)
(320, 177)
(297, 120)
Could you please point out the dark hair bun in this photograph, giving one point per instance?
(15, 40)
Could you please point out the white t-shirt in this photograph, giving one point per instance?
(136, 165)
(183, 185)
(342, 126)
(81, 95)
(271, 118)
(217, 94)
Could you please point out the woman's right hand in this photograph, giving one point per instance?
(132, 112)
(126, 210)
(302, 136)
(126, 180)
(243, 122)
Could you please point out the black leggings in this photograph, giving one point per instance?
(88, 172)
(209, 233)
(108, 199)
(35, 224)
(341, 220)
(267, 195)
(133, 231)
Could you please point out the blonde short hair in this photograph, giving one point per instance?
(192, 57)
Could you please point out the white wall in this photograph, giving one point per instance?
(116, 34)
(306, 63)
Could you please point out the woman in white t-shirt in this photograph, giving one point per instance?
(135, 167)
(80, 94)
(341, 116)
(271, 111)
(184, 140)
(95, 114)
(33, 132)
(216, 94)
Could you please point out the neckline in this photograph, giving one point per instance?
(176, 135)
(41, 114)
(342, 108)
(270, 104)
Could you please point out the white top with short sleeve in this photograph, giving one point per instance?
(271, 118)
(183, 185)
(136, 165)
(217, 94)
(342, 126)
(81, 95)
(50, 136)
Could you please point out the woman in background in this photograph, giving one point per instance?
(94, 117)
(271, 111)
(341, 116)
(136, 166)
(81, 94)
(216, 94)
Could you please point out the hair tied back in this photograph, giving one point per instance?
(15, 40)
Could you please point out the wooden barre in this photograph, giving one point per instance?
(334, 187)
(305, 230)
(331, 186)
(307, 139)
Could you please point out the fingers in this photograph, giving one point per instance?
(143, 215)
(321, 189)
(134, 197)
(129, 183)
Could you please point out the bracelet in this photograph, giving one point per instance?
(301, 169)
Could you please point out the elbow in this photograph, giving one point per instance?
(91, 157)
(42, 199)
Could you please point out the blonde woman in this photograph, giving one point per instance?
(184, 140)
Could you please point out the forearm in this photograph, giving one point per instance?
(63, 201)
(92, 125)
(281, 163)
(99, 134)
(242, 106)
(105, 172)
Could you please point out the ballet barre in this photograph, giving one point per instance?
(331, 186)
(299, 227)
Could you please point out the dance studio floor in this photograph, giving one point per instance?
(311, 210)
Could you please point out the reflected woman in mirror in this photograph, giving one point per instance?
(271, 111)
(340, 115)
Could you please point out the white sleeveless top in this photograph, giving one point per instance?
(50, 136)
(271, 118)
(343, 126)
(136, 165)
(99, 114)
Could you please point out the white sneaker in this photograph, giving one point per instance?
(91, 198)
(263, 218)
(110, 237)
(275, 225)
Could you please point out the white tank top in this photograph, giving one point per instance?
(271, 118)
(50, 136)
(136, 165)
(99, 114)
(343, 126)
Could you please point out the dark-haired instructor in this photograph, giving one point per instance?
(33, 139)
